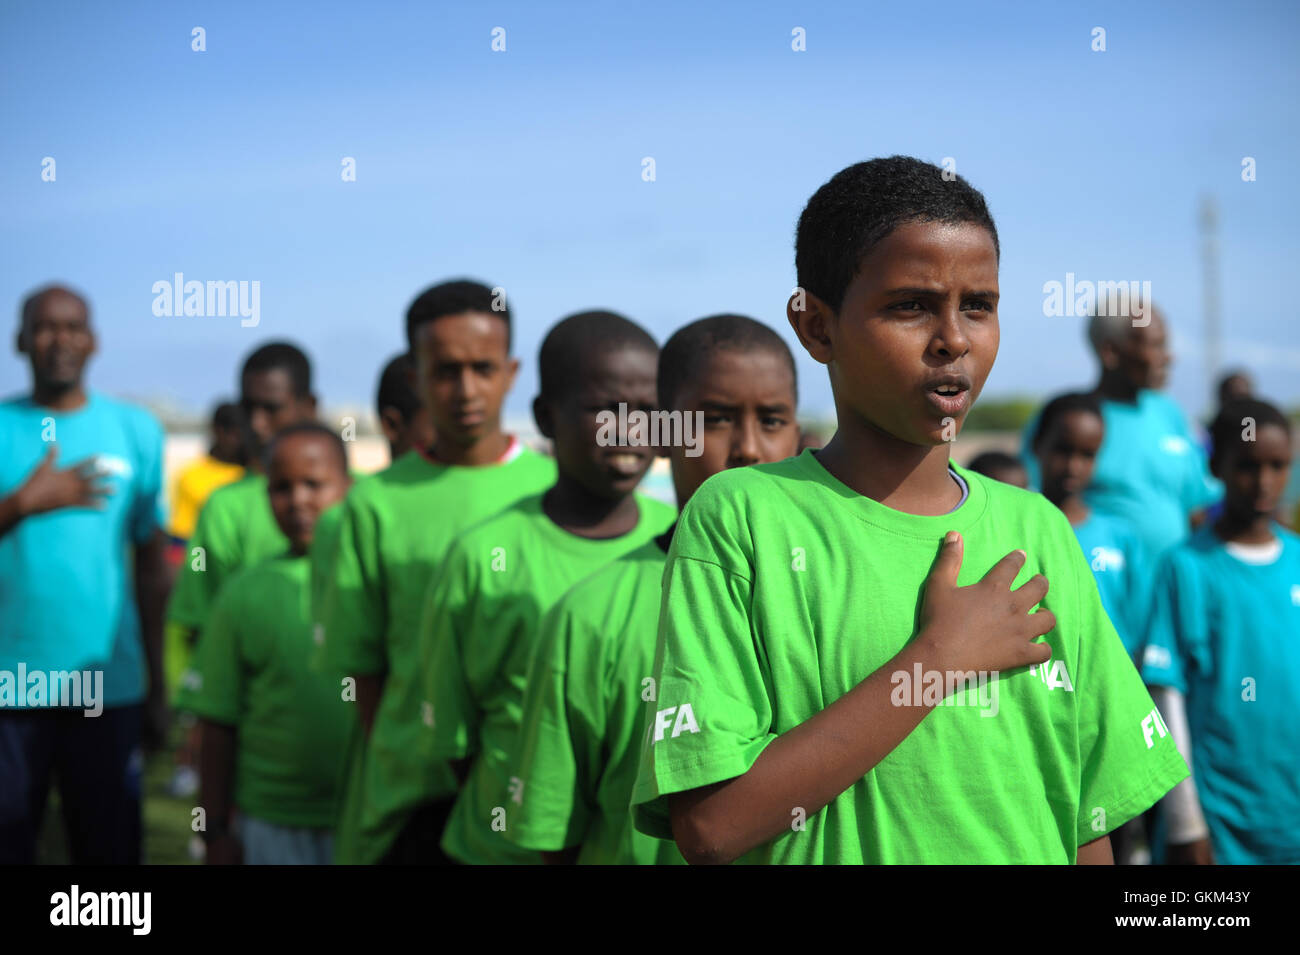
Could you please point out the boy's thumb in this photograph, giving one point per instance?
(948, 563)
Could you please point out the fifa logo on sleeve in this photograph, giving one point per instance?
(1295, 594)
(1152, 724)
(680, 718)
(1157, 656)
(1054, 675)
(1107, 558)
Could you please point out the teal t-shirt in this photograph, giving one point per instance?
(1226, 634)
(251, 671)
(580, 738)
(785, 589)
(393, 531)
(67, 598)
(1151, 471)
(1122, 573)
(477, 640)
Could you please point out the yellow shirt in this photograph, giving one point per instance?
(192, 488)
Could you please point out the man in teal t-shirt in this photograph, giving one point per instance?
(484, 612)
(81, 680)
(1151, 472)
(580, 736)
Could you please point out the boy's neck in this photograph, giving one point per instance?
(59, 399)
(1072, 506)
(573, 508)
(906, 477)
(1115, 387)
(486, 450)
(1257, 530)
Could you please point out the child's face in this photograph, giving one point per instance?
(917, 332)
(1067, 453)
(404, 433)
(1255, 473)
(748, 402)
(608, 378)
(464, 372)
(304, 479)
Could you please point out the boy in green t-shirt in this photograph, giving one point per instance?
(580, 740)
(394, 530)
(273, 732)
(597, 370)
(845, 672)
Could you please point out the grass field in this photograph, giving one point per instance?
(166, 821)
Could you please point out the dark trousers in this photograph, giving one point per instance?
(418, 842)
(95, 761)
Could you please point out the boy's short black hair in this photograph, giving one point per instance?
(455, 298)
(575, 339)
(862, 204)
(989, 462)
(307, 427)
(1225, 430)
(225, 416)
(691, 346)
(281, 355)
(395, 389)
(1059, 407)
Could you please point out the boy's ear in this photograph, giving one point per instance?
(391, 423)
(542, 416)
(811, 319)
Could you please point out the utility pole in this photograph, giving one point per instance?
(1209, 221)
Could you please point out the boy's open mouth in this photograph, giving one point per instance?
(950, 394)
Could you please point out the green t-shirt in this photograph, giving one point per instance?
(236, 529)
(252, 673)
(580, 741)
(785, 589)
(394, 530)
(484, 612)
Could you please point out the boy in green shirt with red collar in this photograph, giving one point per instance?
(848, 666)
(501, 576)
(394, 530)
(580, 740)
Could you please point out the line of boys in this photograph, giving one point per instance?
(765, 701)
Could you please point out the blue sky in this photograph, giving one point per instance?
(523, 167)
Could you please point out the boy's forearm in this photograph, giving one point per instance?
(151, 587)
(805, 768)
(216, 772)
(370, 687)
(1097, 852)
(11, 512)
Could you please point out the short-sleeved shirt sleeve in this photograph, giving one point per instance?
(1128, 759)
(1176, 632)
(713, 715)
(211, 556)
(355, 607)
(215, 680)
